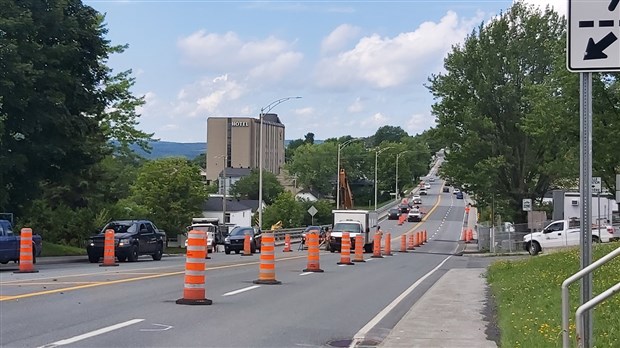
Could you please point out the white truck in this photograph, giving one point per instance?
(208, 225)
(564, 233)
(355, 222)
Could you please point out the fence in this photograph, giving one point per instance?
(504, 238)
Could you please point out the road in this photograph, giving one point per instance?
(133, 305)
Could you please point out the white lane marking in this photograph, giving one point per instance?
(92, 333)
(242, 290)
(162, 328)
(361, 334)
(306, 273)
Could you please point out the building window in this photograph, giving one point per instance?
(227, 218)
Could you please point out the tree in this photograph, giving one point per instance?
(309, 138)
(247, 187)
(502, 107)
(390, 134)
(171, 191)
(284, 208)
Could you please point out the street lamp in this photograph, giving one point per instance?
(377, 152)
(340, 146)
(263, 111)
(225, 157)
(397, 157)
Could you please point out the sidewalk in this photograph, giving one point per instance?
(450, 313)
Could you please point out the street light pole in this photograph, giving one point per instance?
(397, 157)
(377, 152)
(340, 146)
(263, 111)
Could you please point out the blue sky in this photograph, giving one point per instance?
(358, 65)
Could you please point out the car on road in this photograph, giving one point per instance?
(393, 214)
(422, 192)
(10, 246)
(415, 215)
(132, 238)
(236, 239)
(416, 199)
(455, 190)
(459, 195)
(446, 189)
(427, 185)
(431, 179)
(403, 208)
(318, 229)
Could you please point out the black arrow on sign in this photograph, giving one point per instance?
(595, 50)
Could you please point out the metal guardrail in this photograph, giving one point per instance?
(586, 306)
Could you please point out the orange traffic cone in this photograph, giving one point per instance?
(267, 268)
(403, 243)
(388, 244)
(376, 249)
(247, 246)
(313, 253)
(359, 249)
(26, 252)
(345, 249)
(411, 241)
(108, 249)
(287, 243)
(194, 290)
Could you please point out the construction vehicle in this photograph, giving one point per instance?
(345, 191)
(355, 222)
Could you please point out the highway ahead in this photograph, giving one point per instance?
(82, 305)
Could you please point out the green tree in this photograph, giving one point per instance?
(172, 192)
(391, 134)
(285, 208)
(309, 138)
(247, 187)
(501, 110)
(323, 216)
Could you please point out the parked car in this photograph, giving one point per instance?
(10, 244)
(446, 189)
(132, 238)
(236, 239)
(393, 214)
(415, 215)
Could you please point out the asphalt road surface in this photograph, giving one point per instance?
(133, 305)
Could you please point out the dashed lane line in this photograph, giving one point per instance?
(92, 333)
(235, 292)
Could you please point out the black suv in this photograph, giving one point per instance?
(132, 238)
(236, 238)
(393, 214)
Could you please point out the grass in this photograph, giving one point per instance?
(51, 249)
(528, 297)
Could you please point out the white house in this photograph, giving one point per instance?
(238, 212)
(307, 195)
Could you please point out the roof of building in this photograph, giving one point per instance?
(307, 191)
(236, 172)
(271, 118)
(232, 204)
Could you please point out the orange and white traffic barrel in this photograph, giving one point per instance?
(194, 291)
(359, 249)
(314, 265)
(247, 246)
(411, 241)
(26, 252)
(403, 243)
(376, 248)
(287, 243)
(108, 249)
(388, 244)
(267, 267)
(345, 249)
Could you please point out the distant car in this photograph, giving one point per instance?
(414, 215)
(432, 179)
(459, 195)
(236, 239)
(447, 183)
(393, 214)
(403, 208)
(317, 229)
(446, 189)
(416, 199)
(427, 186)
(422, 192)
(455, 191)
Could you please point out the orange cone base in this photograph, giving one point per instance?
(403, 251)
(390, 254)
(186, 301)
(29, 271)
(345, 263)
(267, 281)
(313, 270)
(244, 254)
(377, 256)
(108, 264)
(362, 260)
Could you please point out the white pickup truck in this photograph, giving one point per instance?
(563, 233)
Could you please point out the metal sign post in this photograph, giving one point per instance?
(585, 183)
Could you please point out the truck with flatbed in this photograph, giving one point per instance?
(565, 233)
(10, 243)
(356, 222)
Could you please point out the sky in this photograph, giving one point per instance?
(357, 65)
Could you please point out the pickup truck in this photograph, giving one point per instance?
(9, 244)
(563, 233)
(132, 238)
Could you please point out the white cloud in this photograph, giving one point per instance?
(339, 38)
(560, 6)
(377, 119)
(384, 62)
(418, 123)
(304, 111)
(357, 106)
(270, 58)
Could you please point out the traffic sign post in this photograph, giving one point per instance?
(527, 204)
(312, 211)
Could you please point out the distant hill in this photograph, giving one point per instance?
(189, 150)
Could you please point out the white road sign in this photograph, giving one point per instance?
(527, 204)
(593, 35)
(312, 210)
(596, 184)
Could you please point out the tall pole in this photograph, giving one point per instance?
(396, 193)
(224, 195)
(263, 111)
(376, 157)
(338, 180)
